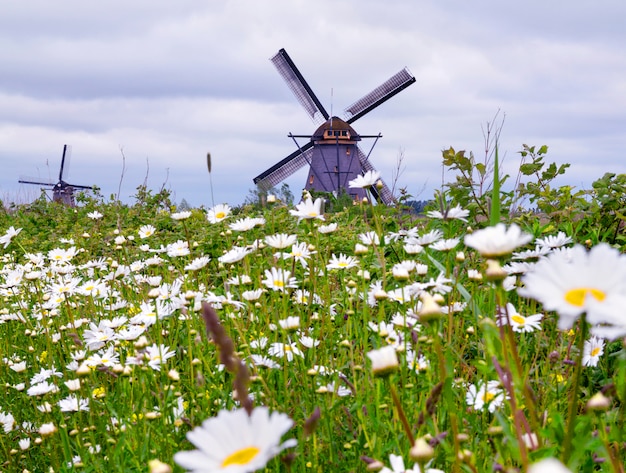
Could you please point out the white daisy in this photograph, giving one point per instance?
(218, 213)
(236, 442)
(278, 279)
(593, 349)
(483, 395)
(341, 262)
(456, 212)
(309, 209)
(571, 284)
(369, 179)
(497, 241)
(518, 322)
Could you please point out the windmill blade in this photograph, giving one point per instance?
(285, 168)
(35, 180)
(67, 151)
(294, 79)
(75, 186)
(384, 194)
(380, 94)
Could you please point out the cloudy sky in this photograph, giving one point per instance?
(143, 89)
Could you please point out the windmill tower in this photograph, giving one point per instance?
(62, 191)
(332, 152)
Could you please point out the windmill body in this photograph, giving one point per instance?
(62, 191)
(332, 152)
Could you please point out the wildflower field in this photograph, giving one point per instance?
(482, 335)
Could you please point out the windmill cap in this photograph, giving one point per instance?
(335, 124)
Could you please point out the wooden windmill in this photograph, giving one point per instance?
(332, 152)
(62, 191)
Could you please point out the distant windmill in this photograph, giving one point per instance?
(332, 153)
(61, 191)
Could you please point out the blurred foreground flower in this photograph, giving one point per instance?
(579, 281)
(235, 442)
(384, 360)
(548, 465)
(497, 241)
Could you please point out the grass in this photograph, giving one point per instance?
(530, 389)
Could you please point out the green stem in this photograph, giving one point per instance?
(573, 402)
(403, 419)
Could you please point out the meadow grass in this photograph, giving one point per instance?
(107, 360)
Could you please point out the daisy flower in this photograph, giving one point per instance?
(278, 280)
(263, 361)
(284, 350)
(235, 254)
(578, 282)
(198, 263)
(548, 465)
(445, 245)
(156, 354)
(95, 215)
(369, 179)
(146, 231)
(73, 404)
(370, 238)
(592, 351)
(397, 466)
(483, 395)
(497, 241)
(413, 249)
(341, 262)
(554, 241)
(280, 240)
(179, 248)
(309, 209)
(236, 442)
(247, 223)
(331, 227)
(456, 212)
(7, 421)
(518, 322)
(299, 252)
(384, 360)
(290, 323)
(181, 215)
(426, 239)
(8, 236)
(218, 213)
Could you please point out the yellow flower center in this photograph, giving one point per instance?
(595, 351)
(518, 319)
(577, 296)
(279, 283)
(219, 215)
(342, 264)
(241, 457)
(487, 397)
(312, 214)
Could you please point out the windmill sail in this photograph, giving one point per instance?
(394, 85)
(299, 86)
(285, 168)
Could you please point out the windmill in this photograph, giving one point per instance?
(61, 191)
(332, 152)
